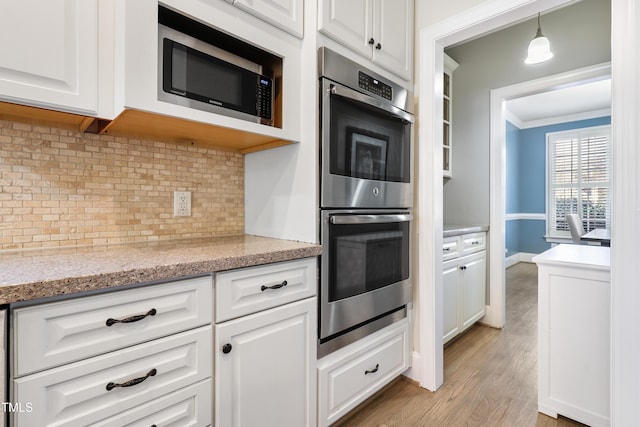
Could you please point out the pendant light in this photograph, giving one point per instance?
(539, 48)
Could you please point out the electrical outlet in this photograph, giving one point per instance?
(182, 203)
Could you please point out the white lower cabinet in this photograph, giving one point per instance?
(264, 368)
(116, 376)
(464, 285)
(574, 333)
(350, 375)
(265, 345)
(3, 362)
(189, 406)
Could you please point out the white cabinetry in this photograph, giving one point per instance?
(464, 282)
(447, 113)
(265, 360)
(50, 54)
(381, 30)
(574, 293)
(350, 375)
(3, 361)
(284, 14)
(107, 358)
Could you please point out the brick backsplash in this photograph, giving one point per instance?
(64, 188)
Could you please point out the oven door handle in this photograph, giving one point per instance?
(369, 100)
(369, 219)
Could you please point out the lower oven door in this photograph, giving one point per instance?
(366, 267)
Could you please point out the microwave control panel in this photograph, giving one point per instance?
(374, 86)
(264, 97)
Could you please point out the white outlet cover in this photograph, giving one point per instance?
(182, 203)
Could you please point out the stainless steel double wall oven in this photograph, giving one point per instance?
(366, 201)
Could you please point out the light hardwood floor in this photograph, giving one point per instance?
(490, 375)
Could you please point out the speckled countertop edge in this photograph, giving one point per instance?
(33, 274)
(458, 230)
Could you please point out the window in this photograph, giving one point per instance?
(578, 179)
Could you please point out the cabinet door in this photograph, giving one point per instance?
(473, 284)
(347, 22)
(265, 368)
(393, 33)
(49, 54)
(451, 277)
(284, 14)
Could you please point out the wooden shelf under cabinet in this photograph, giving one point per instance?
(44, 117)
(141, 124)
(150, 125)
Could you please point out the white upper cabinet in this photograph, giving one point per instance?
(381, 30)
(284, 14)
(50, 54)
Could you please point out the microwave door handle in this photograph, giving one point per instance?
(369, 219)
(369, 100)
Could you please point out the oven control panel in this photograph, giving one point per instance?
(374, 86)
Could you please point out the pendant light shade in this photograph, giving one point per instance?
(539, 48)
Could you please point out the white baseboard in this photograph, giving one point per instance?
(413, 372)
(519, 257)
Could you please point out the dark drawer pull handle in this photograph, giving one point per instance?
(132, 319)
(373, 371)
(132, 382)
(447, 249)
(278, 286)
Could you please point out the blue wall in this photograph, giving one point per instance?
(525, 185)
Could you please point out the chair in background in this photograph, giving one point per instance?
(575, 227)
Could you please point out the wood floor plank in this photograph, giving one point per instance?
(490, 375)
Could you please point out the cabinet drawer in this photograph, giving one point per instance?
(473, 242)
(249, 290)
(189, 406)
(346, 381)
(58, 333)
(78, 394)
(450, 248)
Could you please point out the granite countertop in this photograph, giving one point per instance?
(452, 230)
(31, 274)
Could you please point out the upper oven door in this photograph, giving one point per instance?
(367, 151)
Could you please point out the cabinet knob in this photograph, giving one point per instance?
(463, 267)
(226, 349)
(378, 46)
(371, 41)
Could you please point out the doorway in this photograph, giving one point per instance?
(478, 21)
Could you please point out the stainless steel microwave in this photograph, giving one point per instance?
(196, 74)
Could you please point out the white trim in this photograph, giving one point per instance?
(487, 16)
(625, 230)
(531, 216)
(413, 373)
(517, 258)
(565, 119)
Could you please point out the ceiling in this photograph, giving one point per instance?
(586, 99)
